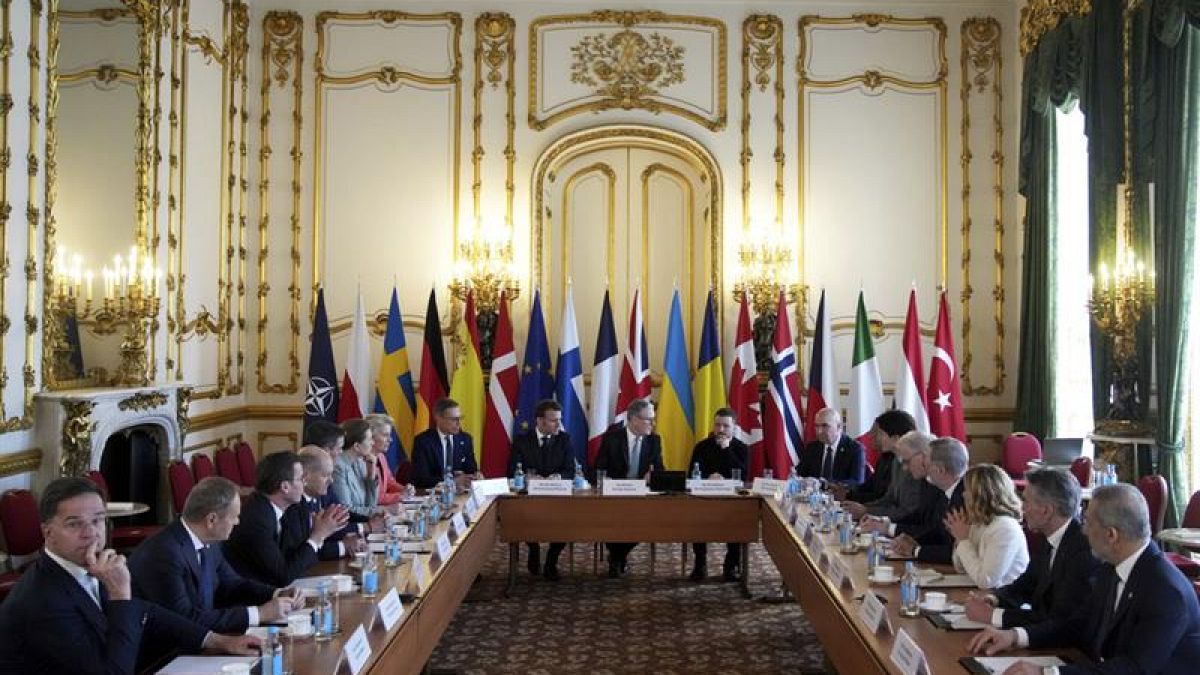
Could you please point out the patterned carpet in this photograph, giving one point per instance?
(637, 624)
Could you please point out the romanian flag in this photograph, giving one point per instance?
(434, 383)
(395, 393)
(676, 416)
(467, 387)
(709, 383)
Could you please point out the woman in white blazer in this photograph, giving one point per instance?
(989, 544)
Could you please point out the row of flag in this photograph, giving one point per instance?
(775, 427)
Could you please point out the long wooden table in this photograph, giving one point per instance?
(833, 612)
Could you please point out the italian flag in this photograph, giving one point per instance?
(866, 389)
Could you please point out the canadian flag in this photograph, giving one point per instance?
(944, 397)
(635, 372)
(743, 392)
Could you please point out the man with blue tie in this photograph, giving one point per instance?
(1141, 615)
(181, 569)
(834, 457)
(443, 447)
(73, 610)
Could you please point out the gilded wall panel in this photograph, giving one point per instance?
(495, 61)
(762, 78)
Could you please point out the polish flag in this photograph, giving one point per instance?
(356, 378)
(743, 392)
(910, 380)
(502, 397)
(635, 372)
(944, 397)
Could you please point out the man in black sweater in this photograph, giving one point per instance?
(718, 455)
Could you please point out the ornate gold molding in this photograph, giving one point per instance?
(143, 400)
(174, 267)
(183, 403)
(689, 305)
(26, 461)
(495, 37)
(610, 176)
(291, 436)
(982, 62)
(388, 75)
(1039, 17)
(235, 251)
(624, 84)
(283, 51)
(104, 74)
(76, 438)
(6, 105)
(762, 49)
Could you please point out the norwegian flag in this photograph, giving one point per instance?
(743, 391)
(783, 422)
(635, 372)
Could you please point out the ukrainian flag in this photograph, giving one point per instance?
(676, 419)
(709, 383)
(395, 393)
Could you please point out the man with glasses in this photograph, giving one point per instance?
(257, 547)
(443, 447)
(629, 451)
(73, 610)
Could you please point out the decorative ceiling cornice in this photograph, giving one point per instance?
(1039, 17)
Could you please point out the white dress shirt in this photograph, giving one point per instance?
(89, 583)
(994, 554)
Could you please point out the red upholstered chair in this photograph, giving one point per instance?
(227, 465)
(247, 464)
(202, 466)
(123, 537)
(1154, 489)
(1191, 518)
(22, 531)
(180, 478)
(1082, 470)
(1020, 449)
(404, 473)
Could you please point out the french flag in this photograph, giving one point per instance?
(822, 380)
(635, 372)
(606, 373)
(784, 427)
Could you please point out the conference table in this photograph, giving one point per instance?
(833, 611)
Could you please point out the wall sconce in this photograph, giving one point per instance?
(485, 266)
(765, 267)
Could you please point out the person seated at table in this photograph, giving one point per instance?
(1141, 615)
(327, 436)
(544, 452)
(445, 446)
(73, 609)
(629, 451)
(391, 491)
(903, 496)
(182, 568)
(718, 456)
(886, 432)
(923, 534)
(318, 475)
(989, 545)
(834, 456)
(256, 548)
(1061, 563)
(356, 473)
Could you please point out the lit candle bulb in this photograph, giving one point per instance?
(88, 279)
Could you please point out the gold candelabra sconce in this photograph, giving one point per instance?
(765, 263)
(485, 269)
(128, 301)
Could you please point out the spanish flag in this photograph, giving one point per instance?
(676, 417)
(708, 385)
(395, 393)
(467, 386)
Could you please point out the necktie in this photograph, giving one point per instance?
(543, 445)
(827, 464)
(635, 456)
(1108, 608)
(207, 590)
(1053, 552)
(447, 453)
(92, 584)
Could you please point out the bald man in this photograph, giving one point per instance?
(834, 456)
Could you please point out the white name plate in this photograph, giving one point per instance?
(416, 575)
(714, 487)
(907, 656)
(458, 525)
(472, 507)
(874, 614)
(443, 547)
(624, 487)
(768, 487)
(489, 488)
(839, 571)
(544, 487)
(390, 609)
(357, 650)
(817, 549)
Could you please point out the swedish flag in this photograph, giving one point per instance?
(395, 393)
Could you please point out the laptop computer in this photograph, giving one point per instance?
(1061, 451)
(668, 481)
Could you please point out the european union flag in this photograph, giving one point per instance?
(537, 383)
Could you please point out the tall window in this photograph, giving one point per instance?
(1072, 356)
(1192, 436)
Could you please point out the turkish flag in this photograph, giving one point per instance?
(943, 399)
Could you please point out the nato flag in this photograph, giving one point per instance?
(321, 397)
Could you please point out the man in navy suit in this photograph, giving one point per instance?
(544, 452)
(73, 610)
(923, 534)
(1061, 563)
(318, 475)
(1141, 615)
(444, 446)
(629, 451)
(256, 547)
(834, 456)
(181, 569)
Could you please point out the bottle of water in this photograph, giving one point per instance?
(578, 483)
(873, 554)
(435, 513)
(696, 471)
(1112, 475)
(910, 591)
(420, 524)
(519, 478)
(448, 483)
(768, 474)
(324, 613)
(793, 484)
(846, 533)
(272, 653)
(370, 577)
(392, 550)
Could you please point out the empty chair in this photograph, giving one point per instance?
(1082, 469)
(1154, 489)
(22, 532)
(179, 476)
(1061, 451)
(1020, 449)
(247, 464)
(227, 465)
(122, 537)
(202, 466)
(1191, 519)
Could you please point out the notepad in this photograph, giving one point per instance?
(204, 665)
(993, 665)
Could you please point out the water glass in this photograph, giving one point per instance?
(601, 474)
(737, 475)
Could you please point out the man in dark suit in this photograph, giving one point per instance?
(1061, 565)
(834, 456)
(887, 431)
(73, 610)
(297, 526)
(541, 453)
(256, 548)
(923, 534)
(629, 451)
(181, 569)
(717, 456)
(325, 435)
(1141, 615)
(444, 446)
